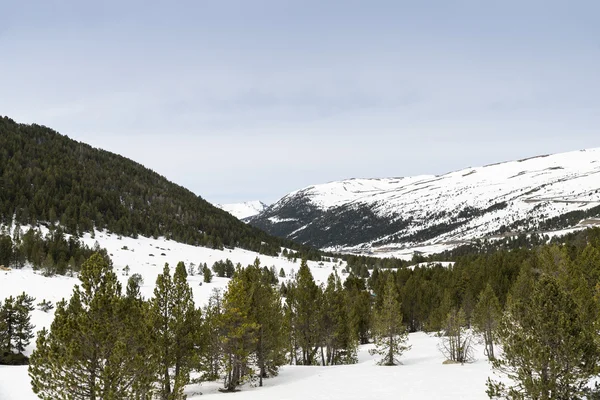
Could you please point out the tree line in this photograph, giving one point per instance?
(52, 253)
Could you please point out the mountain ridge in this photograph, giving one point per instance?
(462, 205)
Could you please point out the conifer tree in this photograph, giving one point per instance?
(207, 275)
(96, 348)
(210, 357)
(266, 312)
(304, 309)
(8, 316)
(339, 337)
(389, 333)
(23, 328)
(176, 324)
(238, 332)
(486, 318)
(457, 342)
(549, 352)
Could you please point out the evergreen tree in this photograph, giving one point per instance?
(8, 317)
(549, 352)
(210, 357)
(23, 328)
(457, 342)
(338, 334)
(176, 324)
(389, 333)
(486, 318)
(238, 332)
(207, 275)
(304, 311)
(266, 312)
(96, 348)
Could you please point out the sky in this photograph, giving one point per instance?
(249, 100)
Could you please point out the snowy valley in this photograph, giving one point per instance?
(422, 375)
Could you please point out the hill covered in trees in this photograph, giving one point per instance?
(48, 178)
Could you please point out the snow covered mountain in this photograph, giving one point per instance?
(383, 215)
(244, 210)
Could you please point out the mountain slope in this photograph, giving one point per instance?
(546, 192)
(244, 210)
(47, 177)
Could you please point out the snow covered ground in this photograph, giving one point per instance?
(421, 377)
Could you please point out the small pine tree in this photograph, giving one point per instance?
(457, 343)
(281, 273)
(23, 330)
(126, 270)
(208, 275)
(486, 318)
(388, 331)
(7, 324)
(549, 351)
(45, 305)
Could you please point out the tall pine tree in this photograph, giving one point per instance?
(388, 331)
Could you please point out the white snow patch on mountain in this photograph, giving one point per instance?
(243, 210)
(475, 202)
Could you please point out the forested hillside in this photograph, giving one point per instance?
(45, 177)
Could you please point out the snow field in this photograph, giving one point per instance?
(422, 375)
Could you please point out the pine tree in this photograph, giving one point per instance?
(486, 318)
(304, 311)
(23, 328)
(207, 275)
(210, 357)
(96, 348)
(8, 316)
(457, 342)
(238, 332)
(389, 333)
(549, 351)
(176, 323)
(266, 312)
(339, 336)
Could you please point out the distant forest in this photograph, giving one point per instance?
(47, 178)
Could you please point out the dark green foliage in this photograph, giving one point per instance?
(224, 269)
(549, 350)
(45, 305)
(16, 329)
(176, 324)
(99, 346)
(338, 329)
(389, 333)
(53, 253)
(302, 313)
(48, 178)
(487, 317)
(207, 275)
(23, 328)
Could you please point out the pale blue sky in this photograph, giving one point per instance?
(244, 100)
